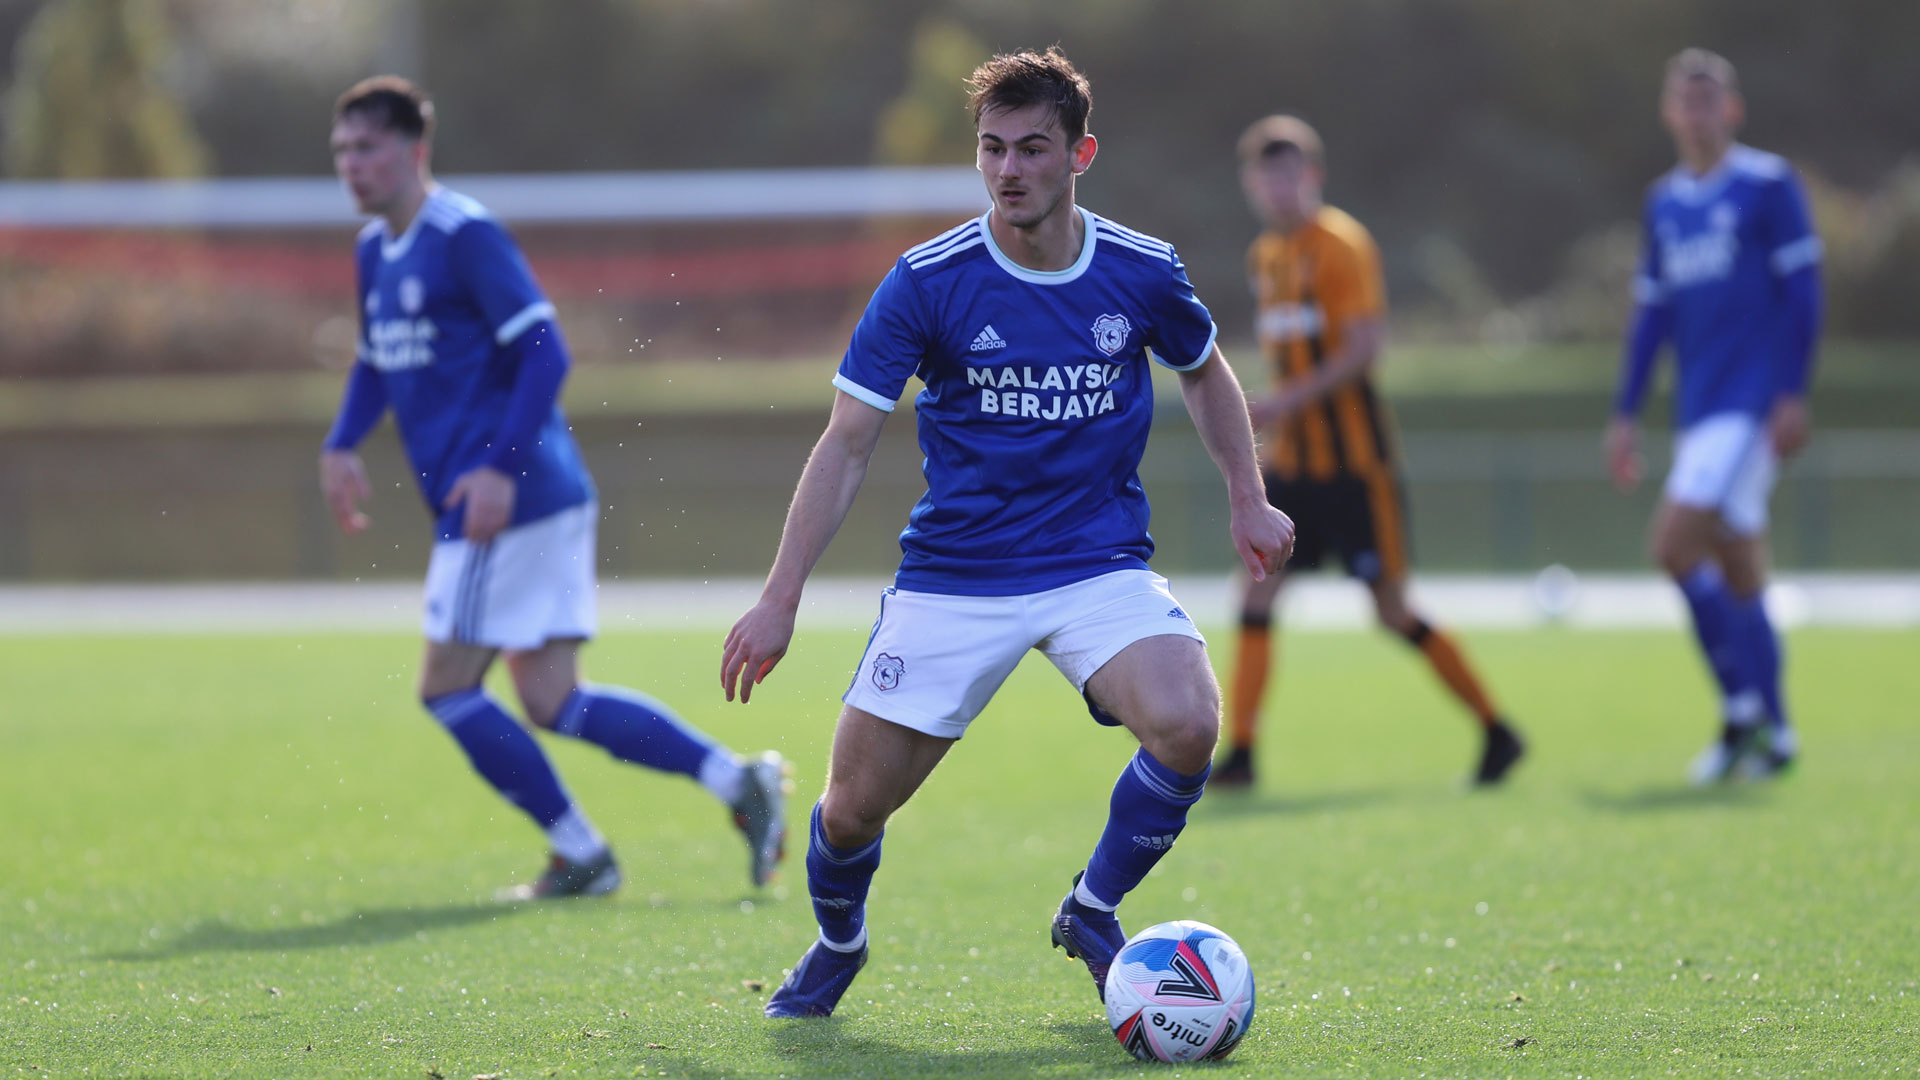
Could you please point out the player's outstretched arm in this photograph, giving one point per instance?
(343, 479)
(1261, 534)
(1651, 325)
(1788, 423)
(831, 479)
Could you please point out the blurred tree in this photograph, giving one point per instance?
(928, 124)
(1873, 253)
(1482, 141)
(89, 98)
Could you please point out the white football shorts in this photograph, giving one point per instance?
(935, 660)
(529, 585)
(1726, 463)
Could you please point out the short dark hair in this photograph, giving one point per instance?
(1274, 135)
(391, 102)
(1703, 64)
(1022, 79)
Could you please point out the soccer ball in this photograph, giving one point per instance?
(1180, 991)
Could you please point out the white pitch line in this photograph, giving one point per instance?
(1317, 603)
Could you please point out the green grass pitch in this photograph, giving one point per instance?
(256, 856)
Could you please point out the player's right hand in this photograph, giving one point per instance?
(1263, 536)
(754, 645)
(1787, 426)
(343, 480)
(1623, 454)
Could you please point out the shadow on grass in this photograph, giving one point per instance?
(370, 926)
(1655, 799)
(835, 1047)
(1233, 804)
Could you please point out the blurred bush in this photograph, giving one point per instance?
(1497, 148)
(1872, 241)
(90, 99)
(1873, 254)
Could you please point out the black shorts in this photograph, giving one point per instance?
(1360, 520)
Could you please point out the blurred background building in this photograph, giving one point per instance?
(164, 380)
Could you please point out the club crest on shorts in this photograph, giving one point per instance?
(887, 670)
(1110, 333)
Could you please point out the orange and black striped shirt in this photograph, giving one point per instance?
(1310, 286)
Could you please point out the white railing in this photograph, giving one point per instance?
(717, 195)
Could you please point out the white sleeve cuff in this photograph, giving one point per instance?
(523, 321)
(855, 390)
(1206, 352)
(1798, 255)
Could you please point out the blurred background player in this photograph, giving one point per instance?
(1321, 317)
(1730, 275)
(1032, 532)
(458, 339)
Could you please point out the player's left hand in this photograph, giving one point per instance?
(489, 495)
(1788, 426)
(754, 646)
(1264, 538)
(343, 480)
(1623, 454)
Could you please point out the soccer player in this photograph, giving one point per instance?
(1031, 328)
(458, 340)
(1730, 275)
(1331, 461)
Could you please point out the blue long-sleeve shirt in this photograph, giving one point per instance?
(459, 341)
(1730, 275)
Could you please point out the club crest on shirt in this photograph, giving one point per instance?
(1110, 333)
(412, 294)
(373, 303)
(887, 670)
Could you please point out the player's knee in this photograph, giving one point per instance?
(542, 703)
(1744, 580)
(1182, 729)
(1188, 748)
(1409, 627)
(1673, 558)
(1397, 617)
(1257, 600)
(1675, 553)
(541, 714)
(434, 685)
(850, 822)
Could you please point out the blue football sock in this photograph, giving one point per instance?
(1148, 810)
(637, 728)
(1716, 626)
(838, 879)
(504, 753)
(1761, 648)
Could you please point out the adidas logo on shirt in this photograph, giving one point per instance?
(987, 340)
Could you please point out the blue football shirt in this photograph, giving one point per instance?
(1717, 250)
(1036, 404)
(440, 304)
